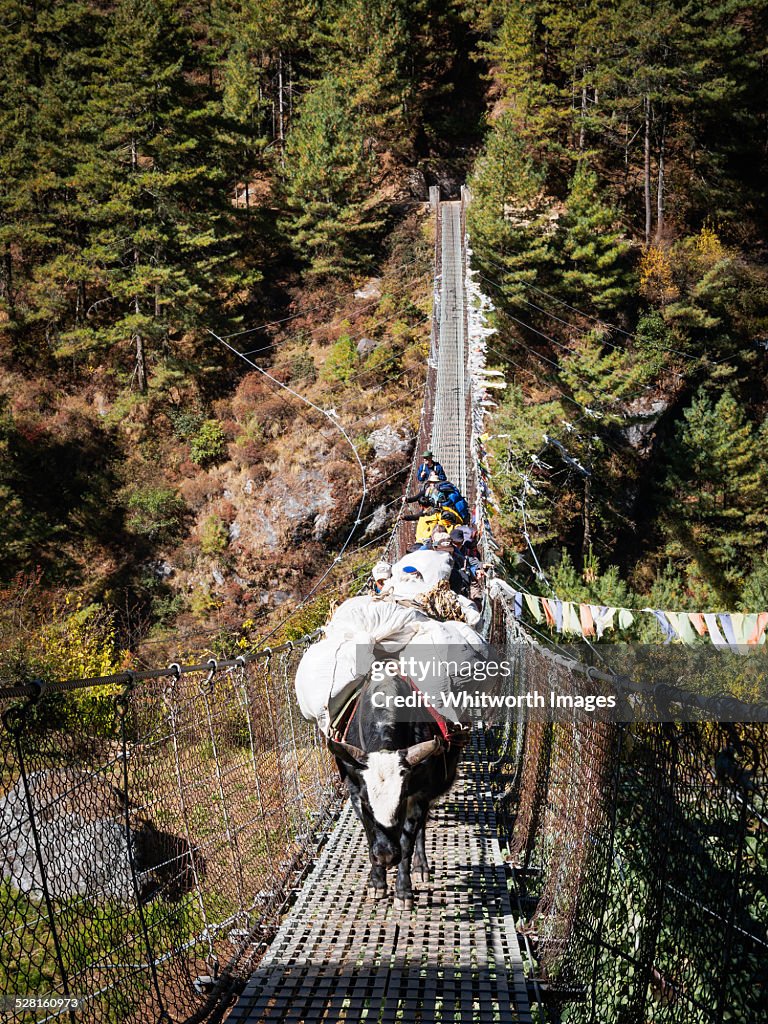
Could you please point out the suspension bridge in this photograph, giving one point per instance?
(181, 852)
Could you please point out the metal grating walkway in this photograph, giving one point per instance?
(455, 957)
(449, 430)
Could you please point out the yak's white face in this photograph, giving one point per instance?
(383, 777)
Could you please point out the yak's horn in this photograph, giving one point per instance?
(421, 751)
(347, 752)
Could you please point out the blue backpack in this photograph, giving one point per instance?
(449, 496)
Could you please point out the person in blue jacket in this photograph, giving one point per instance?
(429, 466)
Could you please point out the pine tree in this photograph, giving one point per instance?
(508, 218)
(368, 44)
(717, 502)
(328, 182)
(49, 52)
(518, 430)
(263, 49)
(593, 271)
(151, 180)
(600, 379)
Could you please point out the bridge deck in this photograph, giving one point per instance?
(449, 426)
(455, 957)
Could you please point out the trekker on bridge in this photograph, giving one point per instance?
(449, 497)
(445, 496)
(468, 575)
(428, 493)
(381, 574)
(429, 466)
(427, 520)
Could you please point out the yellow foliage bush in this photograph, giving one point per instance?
(709, 246)
(656, 280)
(76, 641)
(80, 641)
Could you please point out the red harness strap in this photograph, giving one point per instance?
(438, 719)
(457, 737)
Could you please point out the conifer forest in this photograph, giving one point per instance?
(175, 173)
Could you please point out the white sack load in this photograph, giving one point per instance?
(365, 629)
(417, 573)
(470, 610)
(388, 625)
(362, 629)
(442, 656)
(328, 674)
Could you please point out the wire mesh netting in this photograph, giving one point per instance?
(640, 855)
(149, 835)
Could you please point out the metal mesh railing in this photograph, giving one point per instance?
(640, 853)
(404, 532)
(149, 835)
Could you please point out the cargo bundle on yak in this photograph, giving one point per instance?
(396, 743)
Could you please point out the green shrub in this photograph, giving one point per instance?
(214, 536)
(653, 338)
(303, 368)
(209, 445)
(156, 512)
(342, 360)
(380, 365)
(186, 422)
(202, 603)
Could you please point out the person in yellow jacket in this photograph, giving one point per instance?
(431, 518)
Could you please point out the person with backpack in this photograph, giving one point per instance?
(428, 467)
(468, 572)
(427, 494)
(448, 496)
(429, 519)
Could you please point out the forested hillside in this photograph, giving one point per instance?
(619, 225)
(170, 170)
(258, 171)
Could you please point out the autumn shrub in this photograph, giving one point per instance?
(246, 452)
(250, 394)
(274, 413)
(197, 490)
(657, 282)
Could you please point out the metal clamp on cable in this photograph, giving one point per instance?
(123, 699)
(175, 669)
(206, 687)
